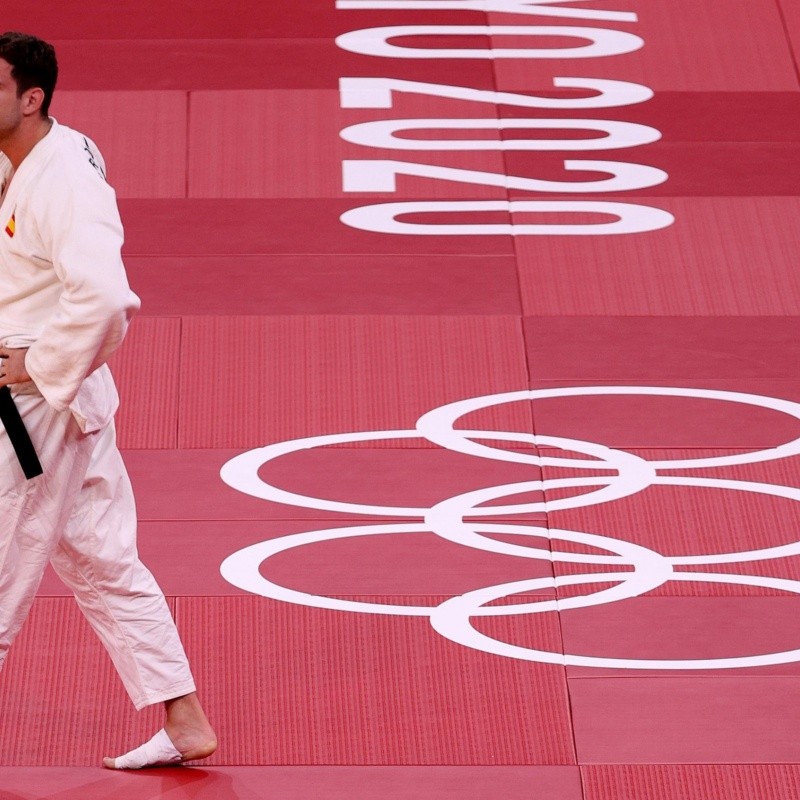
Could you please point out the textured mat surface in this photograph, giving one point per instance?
(364, 373)
(643, 416)
(689, 782)
(408, 698)
(213, 19)
(728, 256)
(700, 116)
(642, 349)
(325, 284)
(685, 720)
(540, 656)
(683, 629)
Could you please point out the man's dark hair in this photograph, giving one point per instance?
(33, 64)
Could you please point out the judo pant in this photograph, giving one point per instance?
(81, 517)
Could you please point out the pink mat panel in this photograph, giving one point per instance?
(686, 720)
(432, 695)
(249, 19)
(340, 361)
(683, 628)
(691, 782)
(324, 284)
(726, 256)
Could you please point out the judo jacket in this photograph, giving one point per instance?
(63, 289)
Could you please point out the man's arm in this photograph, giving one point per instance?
(80, 224)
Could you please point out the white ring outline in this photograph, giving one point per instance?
(241, 472)
(438, 425)
(457, 628)
(243, 570)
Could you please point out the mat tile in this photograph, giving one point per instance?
(750, 720)
(306, 686)
(186, 484)
(723, 256)
(682, 522)
(304, 284)
(185, 557)
(695, 116)
(146, 370)
(662, 348)
(691, 782)
(682, 629)
(288, 377)
(695, 168)
(248, 19)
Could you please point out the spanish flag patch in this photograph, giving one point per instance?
(11, 227)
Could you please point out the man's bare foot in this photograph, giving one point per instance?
(189, 728)
(187, 736)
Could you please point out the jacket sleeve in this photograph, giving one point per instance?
(79, 224)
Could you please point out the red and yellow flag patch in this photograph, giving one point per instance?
(12, 226)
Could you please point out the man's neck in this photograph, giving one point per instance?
(17, 145)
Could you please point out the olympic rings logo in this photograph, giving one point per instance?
(644, 569)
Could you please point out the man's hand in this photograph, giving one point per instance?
(12, 366)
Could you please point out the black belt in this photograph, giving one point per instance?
(18, 434)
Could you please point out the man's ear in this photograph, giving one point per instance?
(32, 100)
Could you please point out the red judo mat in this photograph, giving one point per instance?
(462, 410)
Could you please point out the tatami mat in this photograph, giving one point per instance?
(690, 782)
(289, 295)
(363, 373)
(325, 284)
(279, 693)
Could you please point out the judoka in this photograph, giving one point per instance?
(65, 305)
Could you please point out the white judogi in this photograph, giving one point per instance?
(64, 294)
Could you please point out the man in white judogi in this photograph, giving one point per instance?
(65, 305)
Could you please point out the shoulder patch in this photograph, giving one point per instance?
(11, 226)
